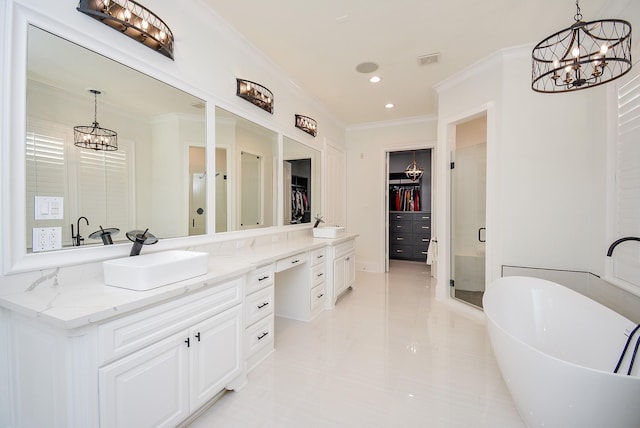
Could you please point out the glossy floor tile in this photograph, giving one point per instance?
(388, 355)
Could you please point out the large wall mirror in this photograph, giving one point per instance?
(246, 171)
(157, 177)
(301, 182)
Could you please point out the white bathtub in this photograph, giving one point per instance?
(557, 350)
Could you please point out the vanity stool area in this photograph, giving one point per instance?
(84, 354)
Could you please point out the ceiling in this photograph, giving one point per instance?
(320, 43)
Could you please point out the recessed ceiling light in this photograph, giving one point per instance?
(389, 105)
(375, 79)
(366, 67)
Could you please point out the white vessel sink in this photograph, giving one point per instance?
(328, 232)
(154, 270)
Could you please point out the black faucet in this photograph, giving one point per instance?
(139, 239)
(78, 239)
(615, 243)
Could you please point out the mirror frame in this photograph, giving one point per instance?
(14, 253)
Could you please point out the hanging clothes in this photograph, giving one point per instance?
(404, 198)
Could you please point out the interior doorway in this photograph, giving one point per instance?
(409, 208)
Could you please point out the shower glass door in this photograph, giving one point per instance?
(468, 213)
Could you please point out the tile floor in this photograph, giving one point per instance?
(388, 355)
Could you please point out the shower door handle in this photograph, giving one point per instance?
(480, 234)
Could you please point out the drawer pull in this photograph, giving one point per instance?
(263, 305)
(399, 251)
(425, 227)
(399, 238)
(197, 336)
(263, 335)
(319, 296)
(425, 239)
(293, 262)
(188, 342)
(263, 278)
(425, 218)
(399, 226)
(320, 256)
(319, 275)
(348, 258)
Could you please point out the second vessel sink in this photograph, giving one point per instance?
(154, 270)
(328, 232)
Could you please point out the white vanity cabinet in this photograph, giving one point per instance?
(318, 280)
(258, 309)
(161, 384)
(343, 274)
(153, 367)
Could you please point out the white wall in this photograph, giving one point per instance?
(366, 180)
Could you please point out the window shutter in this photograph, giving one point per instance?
(627, 176)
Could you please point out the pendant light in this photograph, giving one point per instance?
(413, 171)
(93, 136)
(584, 55)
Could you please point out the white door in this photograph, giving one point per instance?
(215, 355)
(147, 389)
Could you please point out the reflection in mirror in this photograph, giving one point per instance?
(250, 189)
(156, 178)
(301, 175)
(234, 136)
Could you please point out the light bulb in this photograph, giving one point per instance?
(127, 15)
(575, 52)
(374, 79)
(145, 25)
(604, 49)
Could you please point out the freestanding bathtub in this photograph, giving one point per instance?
(557, 351)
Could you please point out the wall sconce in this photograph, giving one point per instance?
(256, 94)
(307, 124)
(133, 20)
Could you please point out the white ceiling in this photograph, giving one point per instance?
(320, 42)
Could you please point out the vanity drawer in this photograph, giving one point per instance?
(318, 296)
(289, 262)
(128, 334)
(259, 335)
(317, 274)
(318, 256)
(261, 278)
(345, 248)
(258, 306)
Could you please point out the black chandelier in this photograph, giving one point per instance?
(92, 136)
(584, 55)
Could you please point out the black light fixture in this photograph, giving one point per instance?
(413, 171)
(255, 93)
(307, 124)
(93, 136)
(584, 55)
(132, 19)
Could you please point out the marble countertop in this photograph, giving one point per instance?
(73, 303)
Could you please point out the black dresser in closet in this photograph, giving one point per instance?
(409, 234)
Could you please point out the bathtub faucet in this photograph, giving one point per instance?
(615, 244)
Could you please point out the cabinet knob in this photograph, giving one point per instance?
(319, 275)
(320, 296)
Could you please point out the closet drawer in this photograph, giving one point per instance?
(421, 227)
(400, 251)
(400, 238)
(399, 216)
(421, 240)
(258, 306)
(400, 226)
(420, 253)
(422, 217)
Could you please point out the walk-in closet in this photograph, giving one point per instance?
(409, 204)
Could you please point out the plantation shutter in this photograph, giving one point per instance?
(627, 179)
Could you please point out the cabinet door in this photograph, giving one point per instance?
(350, 270)
(148, 388)
(215, 355)
(338, 277)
